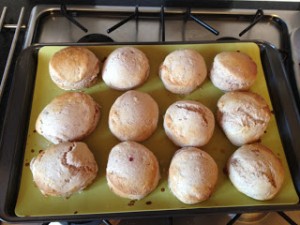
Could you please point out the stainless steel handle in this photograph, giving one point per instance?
(2, 17)
(13, 26)
(11, 50)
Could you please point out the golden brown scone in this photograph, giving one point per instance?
(243, 116)
(125, 68)
(183, 71)
(71, 116)
(74, 68)
(189, 123)
(64, 169)
(233, 71)
(133, 116)
(132, 170)
(256, 172)
(193, 175)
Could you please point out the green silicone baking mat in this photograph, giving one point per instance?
(97, 198)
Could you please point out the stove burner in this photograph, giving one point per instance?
(228, 39)
(252, 217)
(249, 218)
(95, 38)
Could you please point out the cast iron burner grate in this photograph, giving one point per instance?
(95, 38)
(188, 15)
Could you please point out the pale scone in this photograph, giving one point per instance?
(132, 170)
(183, 71)
(64, 169)
(256, 172)
(74, 68)
(133, 116)
(193, 175)
(189, 123)
(243, 116)
(125, 68)
(233, 71)
(71, 116)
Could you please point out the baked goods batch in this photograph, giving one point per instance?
(132, 170)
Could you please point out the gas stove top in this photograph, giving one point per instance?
(51, 25)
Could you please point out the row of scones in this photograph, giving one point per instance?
(132, 170)
(181, 72)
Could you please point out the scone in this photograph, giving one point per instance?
(183, 71)
(189, 123)
(71, 116)
(193, 175)
(133, 116)
(233, 71)
(64, 169)
(132, 170)
(74, 68)
(125, 68)
(256, 172)
(243, 116)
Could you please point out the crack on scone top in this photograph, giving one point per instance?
(195, 109)
(250, 117)
(237, 165)
(242, 172)
(270, 178)
(255, 152)
(269, 174)
(73, 169)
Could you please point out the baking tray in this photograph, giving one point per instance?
(32, 89)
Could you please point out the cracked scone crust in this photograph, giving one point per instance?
(71, 116)
(193, 175)
(64, 169)
(125, 68)
(255, 171)
(243, 116)
(182, 71)
(189, 123)
(133, 116)
(74, 68)
(233, 71)
(132, 170)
